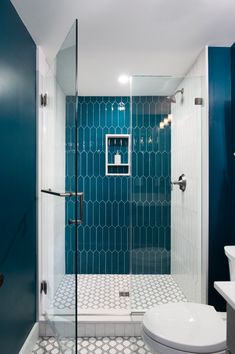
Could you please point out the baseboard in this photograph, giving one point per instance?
(30, 340)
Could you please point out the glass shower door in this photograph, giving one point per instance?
(61, 202)
(166, 219)
(150, 193)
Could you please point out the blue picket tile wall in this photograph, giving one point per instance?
(120, 213)
(150, 185)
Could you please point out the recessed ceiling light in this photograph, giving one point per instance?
(123, 79)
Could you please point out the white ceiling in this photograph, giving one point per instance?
(136, 37)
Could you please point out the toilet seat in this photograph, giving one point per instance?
(185, 326)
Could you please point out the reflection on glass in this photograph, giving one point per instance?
(59, 302)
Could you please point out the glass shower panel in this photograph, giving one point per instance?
(59, 197)
(103, 238)
(165, 251)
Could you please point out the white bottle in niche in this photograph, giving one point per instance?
(117, 158)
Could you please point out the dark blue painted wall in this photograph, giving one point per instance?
(221, 230)
(233, 142)
(104, 238)
(17, 180)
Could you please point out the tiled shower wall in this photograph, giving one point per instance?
(150, 187)
(126, 219)
(186, 157)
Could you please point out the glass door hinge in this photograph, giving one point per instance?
(43, 99)
(43, 287)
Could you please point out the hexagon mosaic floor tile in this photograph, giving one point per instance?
(99, 292)
(91, 345)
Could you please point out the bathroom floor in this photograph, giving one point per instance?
(91, 345)
(101, 292)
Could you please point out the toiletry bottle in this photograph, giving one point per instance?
(117, 158)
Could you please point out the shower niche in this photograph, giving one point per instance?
(118, 154)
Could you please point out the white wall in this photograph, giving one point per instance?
(188, 133)
(51, 174)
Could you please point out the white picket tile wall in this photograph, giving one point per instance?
(186, 157)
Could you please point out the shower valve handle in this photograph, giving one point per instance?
(181, 182)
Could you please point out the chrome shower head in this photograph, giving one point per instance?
(172, 98)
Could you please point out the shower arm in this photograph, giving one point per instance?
(179, 91)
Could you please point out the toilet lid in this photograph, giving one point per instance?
(186, 326)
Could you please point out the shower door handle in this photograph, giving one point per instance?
(78, 221)
(60, 194)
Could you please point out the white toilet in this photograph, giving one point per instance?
(230, 253)
(186, 327)
(183, 328)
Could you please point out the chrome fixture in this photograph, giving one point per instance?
(43, 99)
(78, 221)
(43, 287)
(172, 98)
(181, 182)
(69, 194)
(124, 294)
(198, 101)
(61, 194)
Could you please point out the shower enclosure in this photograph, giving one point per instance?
(60, 201)
(116, 236)
(166, 189)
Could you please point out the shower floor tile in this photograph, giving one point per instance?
(101, 292)
(91, 345)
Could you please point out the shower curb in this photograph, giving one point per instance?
(93, 326)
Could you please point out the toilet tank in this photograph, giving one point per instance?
(230, 253)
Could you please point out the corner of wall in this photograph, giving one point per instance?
(41, 62)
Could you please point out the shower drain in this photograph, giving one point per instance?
(124, 294)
